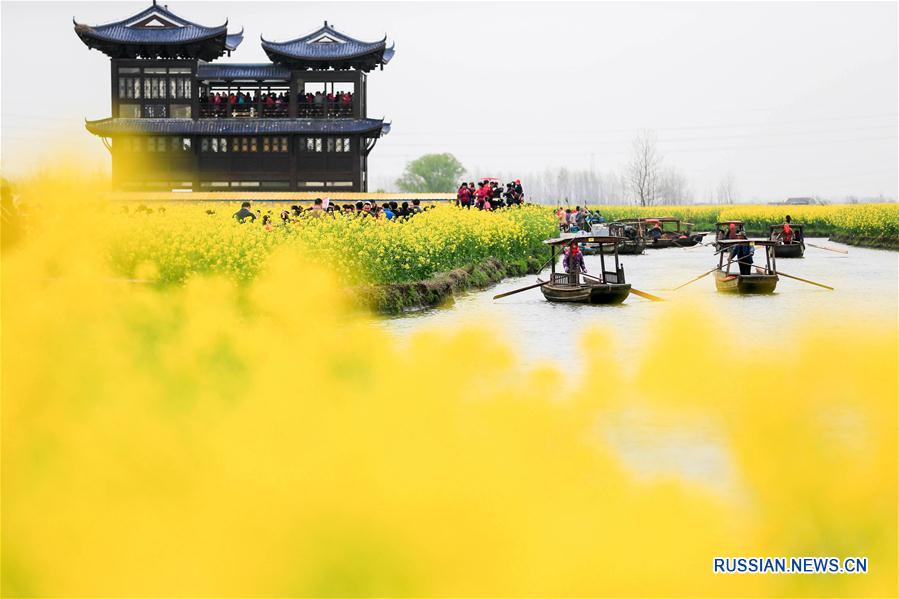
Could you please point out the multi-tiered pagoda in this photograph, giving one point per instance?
(180, 121)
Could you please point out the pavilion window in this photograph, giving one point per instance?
(185, 144)
(180, 111)
(318, 144)
(346, 144)
(155, 111)
(179, 70)
(330, 144)
(252, 144)
(266, 144)
(129, 111)
(129, 87)
(128, 70)
(282, 145)
(147, 84)
(204, 144)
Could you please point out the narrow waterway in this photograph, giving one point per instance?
(865, 282)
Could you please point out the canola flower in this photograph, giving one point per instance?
(208, 439)
(856, 220)
(184, 239)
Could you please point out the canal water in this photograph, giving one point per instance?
(865, 282)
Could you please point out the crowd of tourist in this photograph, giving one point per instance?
(579, 219)
(489, 194)
(325, 208)
(276, 104)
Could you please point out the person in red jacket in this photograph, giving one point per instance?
(463, 196)
(788, 233)
(481, 194)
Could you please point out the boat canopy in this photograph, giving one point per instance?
(730, 222)
(599, 239)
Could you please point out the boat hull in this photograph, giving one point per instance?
(660, 244)
(601, 293)
(627, 248)
(745, 284)
(789, 250)
(609, 293)
(566, 293)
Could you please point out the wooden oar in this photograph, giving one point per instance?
(705, 274)
(783, 274)
(821, 247)
(508, 293)
(648, 296)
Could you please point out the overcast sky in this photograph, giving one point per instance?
(791, 98)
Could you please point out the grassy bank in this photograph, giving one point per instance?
(396, 298)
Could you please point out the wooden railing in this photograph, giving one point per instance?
(276, 196)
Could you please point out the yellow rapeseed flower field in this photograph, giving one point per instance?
(210, 439)
(853, 220)
(174, 241)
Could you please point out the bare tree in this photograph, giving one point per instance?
(726, 193)
(673, 187)
(642, 172)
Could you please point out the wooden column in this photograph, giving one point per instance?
(294, 90)
(114, 98)
(294, 148)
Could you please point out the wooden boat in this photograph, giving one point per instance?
(794, 249)
(677, 234)
(607, 288)
(762, 280)
(634, 235)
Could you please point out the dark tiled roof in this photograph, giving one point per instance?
(154, 27)
(242, 71)
(236, 126)
(326, 48)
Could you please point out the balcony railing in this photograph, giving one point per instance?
(320, 110)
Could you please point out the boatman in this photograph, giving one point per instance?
(788, 233)
(743, 253)
(656, 232)
(573, 260)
